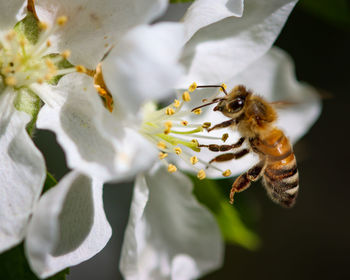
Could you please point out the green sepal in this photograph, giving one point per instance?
(336, 12)
(29, 27)
(14, 266)
(50, 182)
(229, 219)
(27, 101)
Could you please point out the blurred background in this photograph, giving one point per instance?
(312, 240)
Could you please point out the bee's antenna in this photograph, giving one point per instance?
(214, 86)
(216, 100)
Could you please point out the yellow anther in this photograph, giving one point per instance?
(22, 42)
(169, 111)
(178, 150)
(40, 80)
(162, 155)
(177, 103)
(184, 123)
(172, 168)
(101, 88)
(48, 43)
(43, 25)
(50, 64)
(194, 160)
(161, 145)
(80, 69)
(197, 111)
(10, 81)
(224, 86)
(62, 20)
(168, 125)
(65, 54)
(10, 35)
(166, 131)
(186, 96)
(226, 173)
(201, 174)
(195, 142)
(224, 137)
(192, 87)
(206, 124)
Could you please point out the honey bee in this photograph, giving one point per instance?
(255, 120)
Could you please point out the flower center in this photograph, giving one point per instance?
(168, 129)
(24, 62)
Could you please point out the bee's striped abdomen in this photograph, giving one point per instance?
(281, 178)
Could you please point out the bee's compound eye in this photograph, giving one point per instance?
(236, 105)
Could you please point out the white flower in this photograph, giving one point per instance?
(82, 31)
(142, 67)
(221, 48)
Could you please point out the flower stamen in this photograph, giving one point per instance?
(168, 130)
(172, 168)
(186, 96)
(192, 87)
(201, 174)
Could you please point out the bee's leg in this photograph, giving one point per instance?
(243, 181)
(223, 148)
(229, 156)
(222, 125)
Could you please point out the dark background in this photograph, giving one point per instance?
(310, 241)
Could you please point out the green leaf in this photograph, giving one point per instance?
(29, 27)
(180, 1)
(14, 266)
(233, 229)
(27, 101)
(334, 11)
(50, 182)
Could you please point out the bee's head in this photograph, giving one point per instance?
(233, 104)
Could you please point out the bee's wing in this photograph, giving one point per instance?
(283, 104)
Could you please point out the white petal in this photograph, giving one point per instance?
(169, 234)
(95, 141)
(273, 77)
(94, 26)
(22, 173)
(135, 154)
(9, 12)
(68, 226)
(144, 65)
(205, 12)
(77, 120)
(223, 49)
